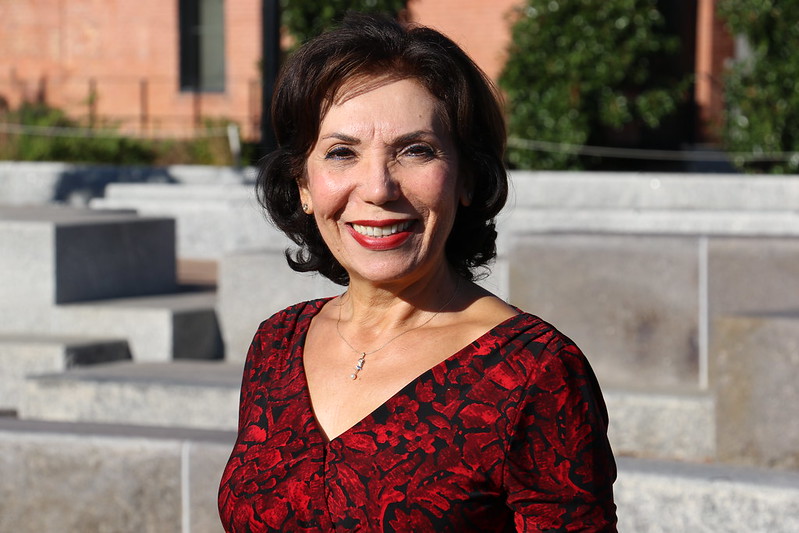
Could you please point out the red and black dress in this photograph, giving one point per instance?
(508, 434)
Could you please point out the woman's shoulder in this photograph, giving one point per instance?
(286, 323)
(532, 343)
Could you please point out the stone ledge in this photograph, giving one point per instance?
(653, 190)
(94, 429)
(180, 394)
(157, 328)
(625, 221)
(755, 372)
(132, 479)
(24, 355)
(65, 255)
(109, 478)
(668, 497)
(677, 425)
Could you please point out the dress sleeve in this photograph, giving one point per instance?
(559, 468)
(249, 375)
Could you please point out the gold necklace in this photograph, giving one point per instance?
(362, 359)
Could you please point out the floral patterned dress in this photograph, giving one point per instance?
(508, 434)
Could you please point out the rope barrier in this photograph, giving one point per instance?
(515, 142)
(655, 155)
(104, 133)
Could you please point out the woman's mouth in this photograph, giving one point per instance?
(381, 235)
(382, 231)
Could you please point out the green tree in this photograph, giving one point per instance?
(762, 90)
(579, 69)
(307, 18)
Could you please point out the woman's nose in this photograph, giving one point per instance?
(379, 184)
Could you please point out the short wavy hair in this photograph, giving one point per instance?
(370, 46)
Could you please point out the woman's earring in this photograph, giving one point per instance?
(305, 207)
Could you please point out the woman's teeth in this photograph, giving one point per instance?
(381, 231)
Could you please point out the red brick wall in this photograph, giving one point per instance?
(130, 51)
(57, 47)
(480, 27)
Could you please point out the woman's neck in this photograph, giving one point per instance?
(393, 306)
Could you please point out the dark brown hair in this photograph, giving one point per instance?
(365, 46)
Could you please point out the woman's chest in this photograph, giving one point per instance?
(410, 466)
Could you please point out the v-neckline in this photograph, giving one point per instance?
(466, 351)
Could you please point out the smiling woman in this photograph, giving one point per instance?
(415, 400)
(383, 177)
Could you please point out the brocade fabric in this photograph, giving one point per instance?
(507, 434)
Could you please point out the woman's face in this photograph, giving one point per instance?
(382, 181)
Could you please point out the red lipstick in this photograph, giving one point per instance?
(379, 243)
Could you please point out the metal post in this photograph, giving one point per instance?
(197, 110)
(144, 105)
(270, 48)
(92, 102)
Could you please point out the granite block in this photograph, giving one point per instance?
(109, 478)
(185, 394)
(752, 274)
(22, 356)
(65, 255)
(78, 483)
(676, 425)
(255, 285)
(754, 373)
(669, 497)
(127, 258)
(206, 463)
(654, 190)
(212, 220)
(630, 302)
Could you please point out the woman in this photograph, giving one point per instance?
(415, 400)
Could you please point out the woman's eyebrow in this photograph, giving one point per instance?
(342, 137)
(413, 136)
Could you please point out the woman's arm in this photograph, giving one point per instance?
(559, 469)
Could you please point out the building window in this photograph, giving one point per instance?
(202, 45)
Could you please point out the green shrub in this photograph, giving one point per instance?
(307, 18)
(581, 71)
(80, 147)
(68, 141)
(762, 91)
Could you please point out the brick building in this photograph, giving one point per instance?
(160, 66)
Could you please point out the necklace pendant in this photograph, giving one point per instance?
(358, 366)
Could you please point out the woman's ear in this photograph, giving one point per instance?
(305, 196)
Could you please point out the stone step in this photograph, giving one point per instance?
(212, 219)
(667, 497)
(179, 394)
(109, 477)
(157, 328)
(63, 255)
(577, 191)
(131, 478)
(549, 219)
(677, 425)
(255, 285)
(542, 189)
(38, 183)
(25, 355)
(642, 306)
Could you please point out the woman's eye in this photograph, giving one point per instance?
(339, 152)
(419, 150)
